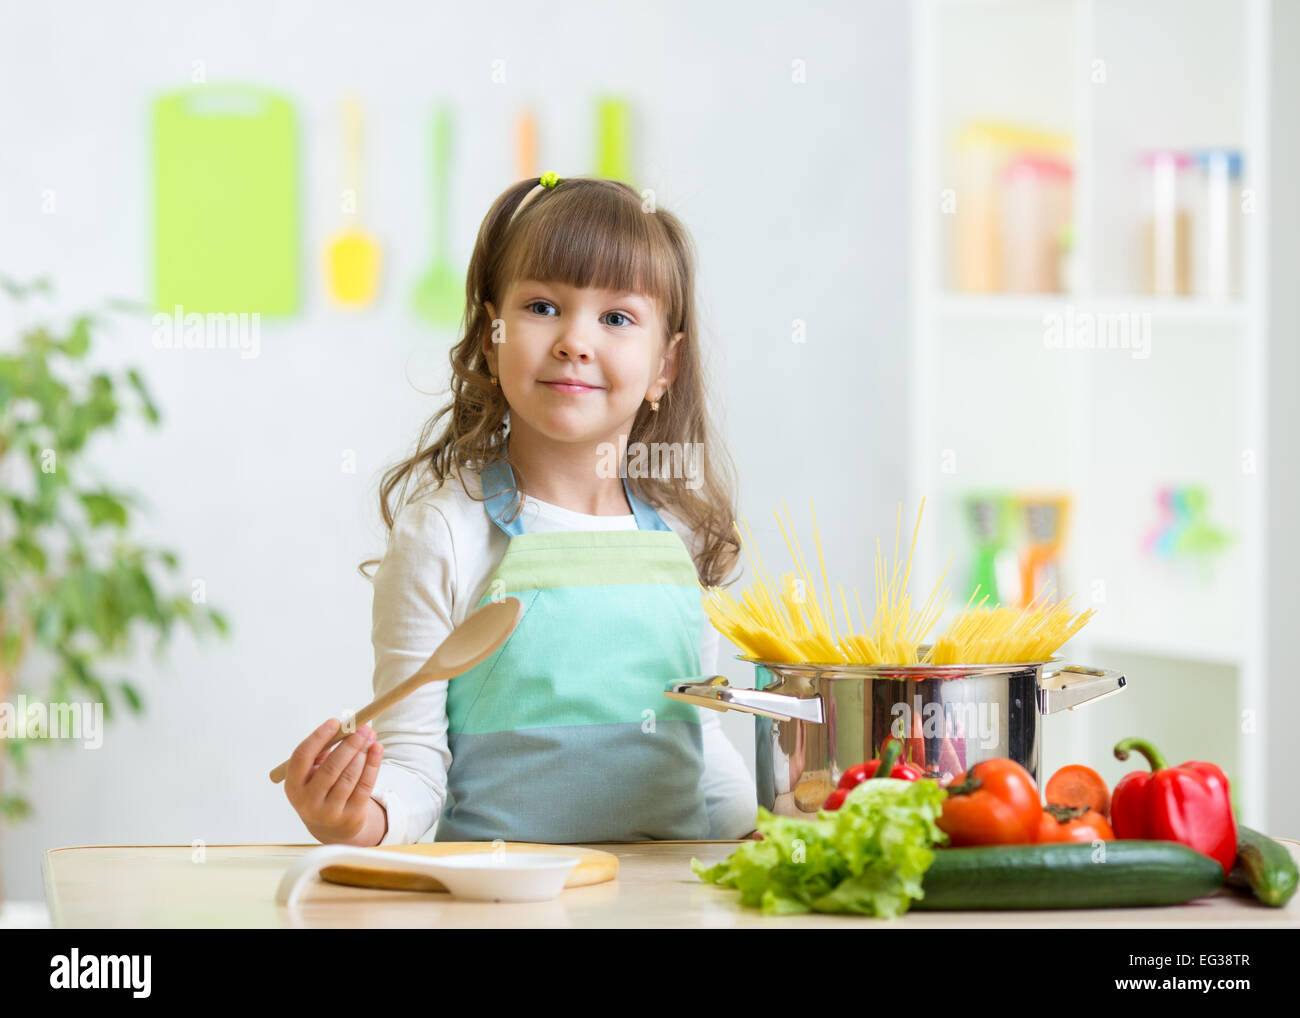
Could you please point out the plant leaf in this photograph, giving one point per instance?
(78, 341)
(102, 509)
(150, 408)
(30, 552)
(14, 808)
(132, 697)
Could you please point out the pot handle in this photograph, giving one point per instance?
(717, 694)
(1069, 687)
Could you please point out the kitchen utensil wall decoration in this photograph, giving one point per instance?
(353, 256)
(440, 292)
(525, 145)
(613, 139)
(225, 163)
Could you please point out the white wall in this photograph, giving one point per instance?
(1283, 428)
(795, 195)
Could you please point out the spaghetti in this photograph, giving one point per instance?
(786, 621)
(995, 635)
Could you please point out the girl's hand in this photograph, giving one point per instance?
(330, 786)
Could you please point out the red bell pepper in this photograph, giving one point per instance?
(1188, 804)
(888, 761)
(890, 751)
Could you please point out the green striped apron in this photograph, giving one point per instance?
(564, 734)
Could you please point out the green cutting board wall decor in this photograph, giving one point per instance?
(225, 160)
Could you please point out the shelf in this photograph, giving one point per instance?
(1032, 307)
(1175, 650)
(996, 404)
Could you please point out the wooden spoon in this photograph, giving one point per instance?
(475, 639)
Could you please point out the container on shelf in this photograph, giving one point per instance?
(1166, 223)
(984, 148)
(1035, 204)
(1216, 224)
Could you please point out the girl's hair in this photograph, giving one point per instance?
(585, 232)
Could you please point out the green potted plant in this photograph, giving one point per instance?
(73, 583)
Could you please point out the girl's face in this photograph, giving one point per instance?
(612, 345)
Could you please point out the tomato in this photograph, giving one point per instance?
(836, 799)
(993, 803)
(1073, 823)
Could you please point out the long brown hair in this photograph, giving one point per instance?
(586, 232)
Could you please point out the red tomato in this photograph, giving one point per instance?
(993, 803)
(1066, 823)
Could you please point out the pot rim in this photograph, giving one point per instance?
(851, 671)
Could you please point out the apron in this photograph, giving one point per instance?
(564, 734)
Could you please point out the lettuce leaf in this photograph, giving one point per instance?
(868, 857)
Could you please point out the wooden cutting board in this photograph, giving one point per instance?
(594, 866)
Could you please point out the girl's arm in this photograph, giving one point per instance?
(729, 793)
(412, 615)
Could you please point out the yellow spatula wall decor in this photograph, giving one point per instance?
(353, 256)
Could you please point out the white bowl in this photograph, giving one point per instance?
(503, 876)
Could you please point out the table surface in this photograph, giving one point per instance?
(178, 886)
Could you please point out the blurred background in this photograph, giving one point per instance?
(1018, 257)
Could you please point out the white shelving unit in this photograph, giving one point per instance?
(995, 408)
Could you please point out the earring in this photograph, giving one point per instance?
(654, 404)
(494, 379)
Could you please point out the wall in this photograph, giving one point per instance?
(794, 193)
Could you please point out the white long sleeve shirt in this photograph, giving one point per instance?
(442, 553)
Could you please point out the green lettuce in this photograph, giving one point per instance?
(867, 857)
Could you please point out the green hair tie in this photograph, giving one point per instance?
(545, 182)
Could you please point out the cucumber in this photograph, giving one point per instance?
(1064, 875)
(1264, 868)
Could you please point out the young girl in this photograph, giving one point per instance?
(580, 361)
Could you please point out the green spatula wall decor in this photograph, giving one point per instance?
(225, 164)
(439, 296)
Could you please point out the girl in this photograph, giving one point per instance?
(580, 361)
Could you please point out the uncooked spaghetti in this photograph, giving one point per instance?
(981, 635)
(786, 622)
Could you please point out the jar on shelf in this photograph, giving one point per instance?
(1166, 223)
(1035, 203)
(983, 150)
(1216, 227)
(979, 156)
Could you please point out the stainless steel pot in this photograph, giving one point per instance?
(812, 722)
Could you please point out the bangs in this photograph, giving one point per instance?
(595, 236)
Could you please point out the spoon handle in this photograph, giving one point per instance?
(373, 709)
(435, 668)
